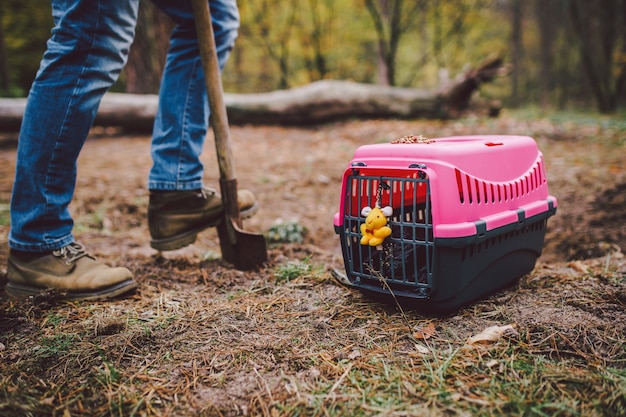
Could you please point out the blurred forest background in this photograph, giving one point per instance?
(564, 54)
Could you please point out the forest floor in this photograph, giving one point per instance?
(201, 338)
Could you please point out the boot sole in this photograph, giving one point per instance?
(178, 241)
(21, 291)
(184, 239)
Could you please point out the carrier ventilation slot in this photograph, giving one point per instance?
(475, 191)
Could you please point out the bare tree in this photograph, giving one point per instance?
(439, 28)
(318, 64)
(517, 50)
(273, 32)
(545, 21)
(621, 77)
(596, 29)
(147, 55)
(4, 66)
(392, 19)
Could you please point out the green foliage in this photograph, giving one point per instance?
(612, 126)
(26, 25)
(442, 37)
(292, 270)
(4, 214)
(289, 232)
(287, 44)
(295, 43)
(54, 345)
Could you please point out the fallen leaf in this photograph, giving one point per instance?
(354, 354)
(492, 363)
(578, 266)
(425, 332)
(422, 349)
(490, 334)
(47, 401)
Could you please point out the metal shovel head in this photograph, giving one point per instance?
(245, 250)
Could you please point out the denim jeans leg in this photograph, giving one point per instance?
(85, 54)
(181, 122)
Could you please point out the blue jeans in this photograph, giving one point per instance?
(86, 52)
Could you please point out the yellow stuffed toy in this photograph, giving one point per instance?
(375, 228)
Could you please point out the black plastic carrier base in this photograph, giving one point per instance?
(441, 275)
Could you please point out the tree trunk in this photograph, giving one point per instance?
(621, 71)
(4, 66)
(392, 20)
(596, 24)
(544, 14)
(146, 59)
(516, 51)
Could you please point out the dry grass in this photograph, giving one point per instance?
(200, 338)
(308, 346)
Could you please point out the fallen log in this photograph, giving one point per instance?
(318, 102)
(329, 100)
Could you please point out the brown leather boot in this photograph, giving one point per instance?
(71, 270)
(176, 217)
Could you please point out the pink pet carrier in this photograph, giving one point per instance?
(467, 216)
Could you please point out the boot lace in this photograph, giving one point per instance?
(208, 192)
(71, 253)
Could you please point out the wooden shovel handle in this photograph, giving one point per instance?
(219, 118)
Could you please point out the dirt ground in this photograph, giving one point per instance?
(578, 287)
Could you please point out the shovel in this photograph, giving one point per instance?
(243, 249)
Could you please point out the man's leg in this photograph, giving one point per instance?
(85, 54)
(181, 122)
(179, 206)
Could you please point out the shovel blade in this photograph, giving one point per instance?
(245, 250)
